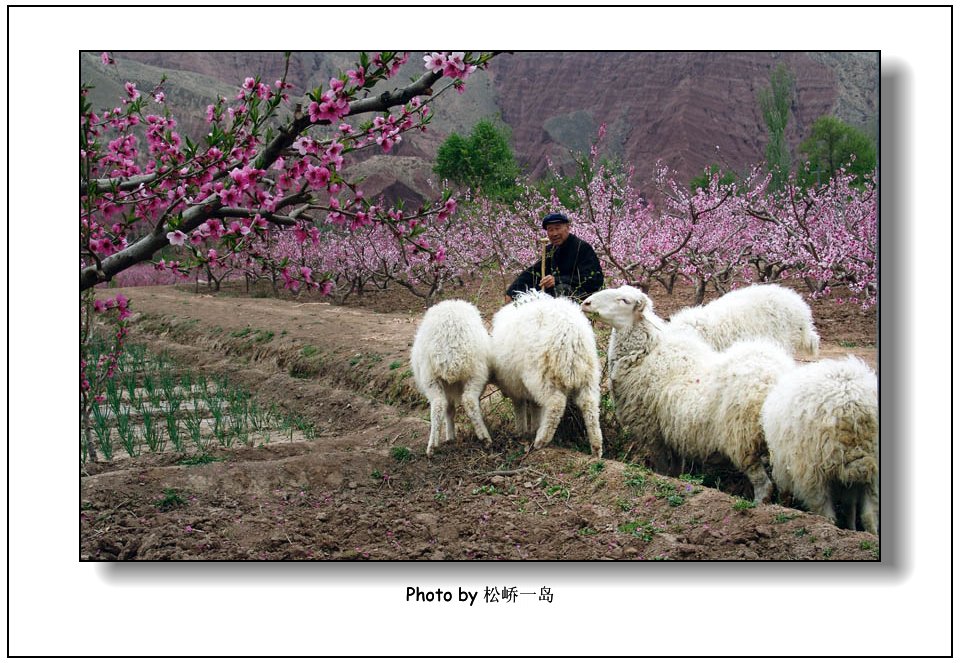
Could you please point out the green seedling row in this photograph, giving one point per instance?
(151, 407)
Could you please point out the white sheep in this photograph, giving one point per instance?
(822, 427)
(757, 311)
(670, 387)
(544, 352)
(450, 359)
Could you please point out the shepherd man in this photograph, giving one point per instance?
(570, 267)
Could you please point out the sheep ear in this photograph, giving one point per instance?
(639, 305)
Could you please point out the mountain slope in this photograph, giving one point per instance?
(689, 109)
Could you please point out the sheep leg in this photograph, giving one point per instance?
(589, 404)
(550, 415)
(471, 405)
(851, 496)
(762, 486)
(822, 504)
(438, 406)
(534, 415)
(520, 416)
(453, 393)
(448, 418)
(868, 509)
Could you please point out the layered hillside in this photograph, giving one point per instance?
(689, 109)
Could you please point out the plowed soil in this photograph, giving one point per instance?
(351, 493)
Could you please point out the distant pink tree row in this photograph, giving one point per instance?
(720, 236)
(723, 235)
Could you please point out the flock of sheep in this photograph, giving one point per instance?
(715, 378)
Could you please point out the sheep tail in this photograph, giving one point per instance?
(810, 343)
(451, 369)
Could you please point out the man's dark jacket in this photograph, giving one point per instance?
(574, 266)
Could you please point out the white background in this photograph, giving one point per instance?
(59, 606)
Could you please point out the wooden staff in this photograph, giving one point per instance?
(543, 256)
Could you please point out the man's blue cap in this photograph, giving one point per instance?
(556, 217)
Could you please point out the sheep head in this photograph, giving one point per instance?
(619, 307)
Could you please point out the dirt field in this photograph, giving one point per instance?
(349, 491)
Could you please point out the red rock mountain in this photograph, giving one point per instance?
(689, 109)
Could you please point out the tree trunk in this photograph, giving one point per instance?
(671, 281)
(87, 437)
(701, 291)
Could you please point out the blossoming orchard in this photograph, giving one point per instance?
(263, 195)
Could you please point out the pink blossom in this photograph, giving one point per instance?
(159, 97)
(434, 61)
(454, 66)
(385, 142)
(105, 58)
(177, 237)
(398, 62)
(132, 91)
(285, 182)
(449, 207)
(334, 148)
(230, 196)
(317, 177)
(305, 145)
(330, 109)
(356, 76)
(244, 177)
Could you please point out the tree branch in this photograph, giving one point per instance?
(145, 248)
(121, 183)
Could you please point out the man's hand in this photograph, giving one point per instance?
(547, 281)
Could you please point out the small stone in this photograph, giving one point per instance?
(352, 484)
(497, 480)
(527, 484)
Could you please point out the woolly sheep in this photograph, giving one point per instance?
(544, 352)
(757, 311)
(672, 388)
(822, 426)
(450, 359)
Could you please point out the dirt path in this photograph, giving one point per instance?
(348, 494)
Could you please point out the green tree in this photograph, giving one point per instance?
(483, 161)
(775, 102)
(831, 144)
(703, 181)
